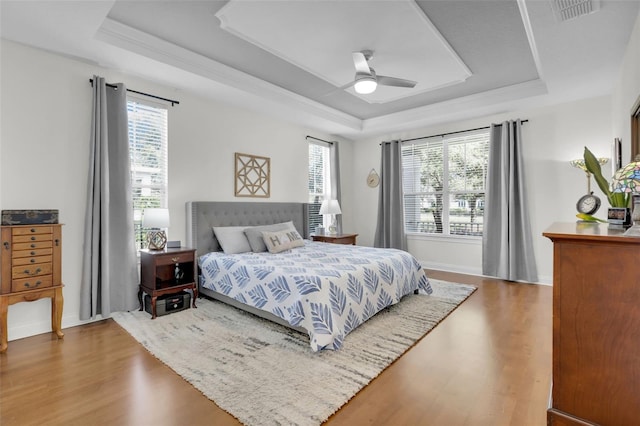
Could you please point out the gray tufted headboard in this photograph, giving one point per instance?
(202, 216)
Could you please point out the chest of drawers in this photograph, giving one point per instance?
(30, 269)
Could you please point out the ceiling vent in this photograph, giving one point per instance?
(570, 9)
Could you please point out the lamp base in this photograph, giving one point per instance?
(156, 240)
(333, 228)
(634, 231)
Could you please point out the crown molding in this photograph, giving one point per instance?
(139, 42)
(291, 104)
(451, 109)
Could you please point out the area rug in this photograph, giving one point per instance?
(266, 374)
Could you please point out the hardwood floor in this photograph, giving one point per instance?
(488, 363)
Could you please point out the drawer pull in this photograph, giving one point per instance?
(27, 285)
(33, 253)
(175, 259)
(57, 242)
(33, 246)
(33, 229)
(33, 238)
(6, 245)
(36, 272)
(32, 261)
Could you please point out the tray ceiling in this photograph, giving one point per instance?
(289, 58)
(318, 37)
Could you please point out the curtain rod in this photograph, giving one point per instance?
(318, 139)
(173, 102)
(453, 133)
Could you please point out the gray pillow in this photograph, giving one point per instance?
(254, 234)
(232, 239)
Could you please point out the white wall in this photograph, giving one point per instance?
(45, 116)
(552, 137)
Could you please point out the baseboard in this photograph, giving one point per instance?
(42, 327)
(542, 280)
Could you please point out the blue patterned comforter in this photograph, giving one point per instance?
(328, 289)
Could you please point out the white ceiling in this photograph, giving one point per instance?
(289, 58)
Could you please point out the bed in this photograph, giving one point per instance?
(323, 290)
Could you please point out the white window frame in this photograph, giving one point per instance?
(448, 196)
(140, 171)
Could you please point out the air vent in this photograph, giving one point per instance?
(570, 9)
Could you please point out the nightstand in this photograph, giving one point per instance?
(336, 238)
(167, 271)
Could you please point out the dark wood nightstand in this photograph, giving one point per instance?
(336, 238)
(158, 274)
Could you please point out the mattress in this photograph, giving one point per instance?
(327, 289)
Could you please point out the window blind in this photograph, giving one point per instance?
(149, 161)
(444, 183)
(319, 181)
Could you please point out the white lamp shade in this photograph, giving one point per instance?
(155, 218)
(330, 207)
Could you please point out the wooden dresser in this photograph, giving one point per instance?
(30, 269)
(596, 326)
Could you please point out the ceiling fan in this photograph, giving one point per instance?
(366, 80)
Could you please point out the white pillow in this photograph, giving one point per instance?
(254, 234)
(282, 240)
(232, 239)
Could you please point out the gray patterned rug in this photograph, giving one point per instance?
(265, 374)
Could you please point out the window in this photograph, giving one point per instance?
(319, 182)
(148, 151)
(443, 181)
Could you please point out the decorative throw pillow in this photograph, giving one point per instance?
(282, 240)
(232, 239)
(254, 234)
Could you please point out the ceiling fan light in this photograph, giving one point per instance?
(365, 85)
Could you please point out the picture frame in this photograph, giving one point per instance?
(252, 176)
(619, 217)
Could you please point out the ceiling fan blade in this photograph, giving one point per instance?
(396, 82)
(360, 62)
(338, 89)
(346, 86)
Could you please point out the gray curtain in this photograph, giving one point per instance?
(335, 180)
(109, 265)
(507, 244)
(390, 227)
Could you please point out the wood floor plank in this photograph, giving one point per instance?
(488, 363)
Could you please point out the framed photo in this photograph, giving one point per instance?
(252, 176)
(619, 216)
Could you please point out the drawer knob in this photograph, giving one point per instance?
(6, 245)
(27, 285)
(36, 272)
(175, 259)
(33, 229)
(33, 253)
(33, 246)
(32, 261)
(57, 242)
(33, 238)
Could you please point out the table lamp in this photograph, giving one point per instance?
(331, 207)
(155, 220)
